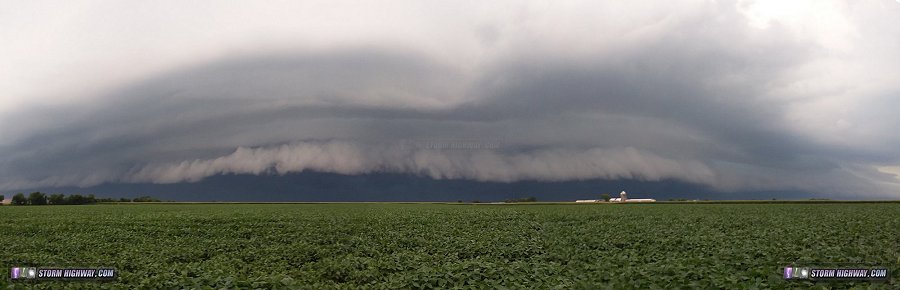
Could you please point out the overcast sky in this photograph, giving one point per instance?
(733, 95)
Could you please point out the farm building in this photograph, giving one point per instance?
(623, 197)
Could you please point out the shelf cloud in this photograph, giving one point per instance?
(734, 95)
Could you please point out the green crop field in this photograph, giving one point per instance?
(321, 246)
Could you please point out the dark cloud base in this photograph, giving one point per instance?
(327, 187)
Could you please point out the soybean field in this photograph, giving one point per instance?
(461, 246)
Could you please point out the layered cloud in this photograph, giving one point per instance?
(461, 161)
(733, 95)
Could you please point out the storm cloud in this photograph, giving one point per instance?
(736, 96)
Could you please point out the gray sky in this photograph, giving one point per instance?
(745, 95)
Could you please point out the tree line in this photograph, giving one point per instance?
(525, 199)
(40, 198)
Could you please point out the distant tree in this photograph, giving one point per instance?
(145, 199)
(37, 198)
(476, 201)
(526, 199)
(75, 199)
(90, 199)
(57, 199)
(124, 200)
(19, 199)
(106, 199)
(2, 197)
(605, 197)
